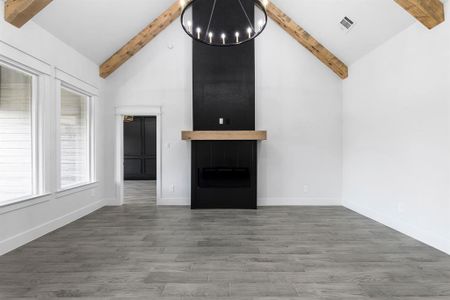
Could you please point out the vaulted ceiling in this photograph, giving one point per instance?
(98, 28)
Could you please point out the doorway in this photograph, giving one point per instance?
(139, 159)
(139, 148)
(121, 113)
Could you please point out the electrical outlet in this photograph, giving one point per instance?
(221, 121)
(305, 188)
(172, 188)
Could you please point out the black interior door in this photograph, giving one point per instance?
(140, 149)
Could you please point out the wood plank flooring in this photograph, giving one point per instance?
(139, 251)
(140, 192)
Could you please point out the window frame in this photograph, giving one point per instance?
(37, 158)
(90, 99)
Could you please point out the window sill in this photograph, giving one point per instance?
(76, 189)
(27, 201)
(23, 202)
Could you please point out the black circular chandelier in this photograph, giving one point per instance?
(223, 23)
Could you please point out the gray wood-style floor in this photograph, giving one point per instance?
(143, 252)
(139, 192)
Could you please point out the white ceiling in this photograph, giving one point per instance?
(376, 21)
(97, 28)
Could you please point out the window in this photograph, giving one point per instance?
(17, 134)
(75, 139)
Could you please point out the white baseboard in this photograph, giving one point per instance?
(300, 201)
(425, 236)
(25, 237)
(112, 202)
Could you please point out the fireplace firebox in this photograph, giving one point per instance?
(223, 174)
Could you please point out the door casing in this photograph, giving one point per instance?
(141, 110)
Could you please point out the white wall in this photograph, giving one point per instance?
(397, 134)
(299, 102)
(160, 76)
(32, 46)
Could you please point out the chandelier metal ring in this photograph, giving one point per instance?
(254, 24)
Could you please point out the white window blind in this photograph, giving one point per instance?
(17, 178)
(74, 139)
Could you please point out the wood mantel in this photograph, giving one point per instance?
(235, 135)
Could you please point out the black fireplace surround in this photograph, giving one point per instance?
(223, 172)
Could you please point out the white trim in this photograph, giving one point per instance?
(110, 200)
(76, 189)
(300, 201)
(28, 62)
(57, 141)
(42, 133)
(36, 138)
(138, 110)
(25, 237)
(51, 136)
(118, 164)
(428, 237)
(75, 83)
(121, 111)
(93, 138)
(23, 202)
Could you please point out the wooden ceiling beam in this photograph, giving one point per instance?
(307, 41)
(429, 12)
(141, 39)
(174, 11)
(19, 12)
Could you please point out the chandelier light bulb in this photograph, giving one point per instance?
(260, 25)
(200, 21)
(210, 35)
(223, 36)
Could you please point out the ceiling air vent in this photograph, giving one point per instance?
(347, 24)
